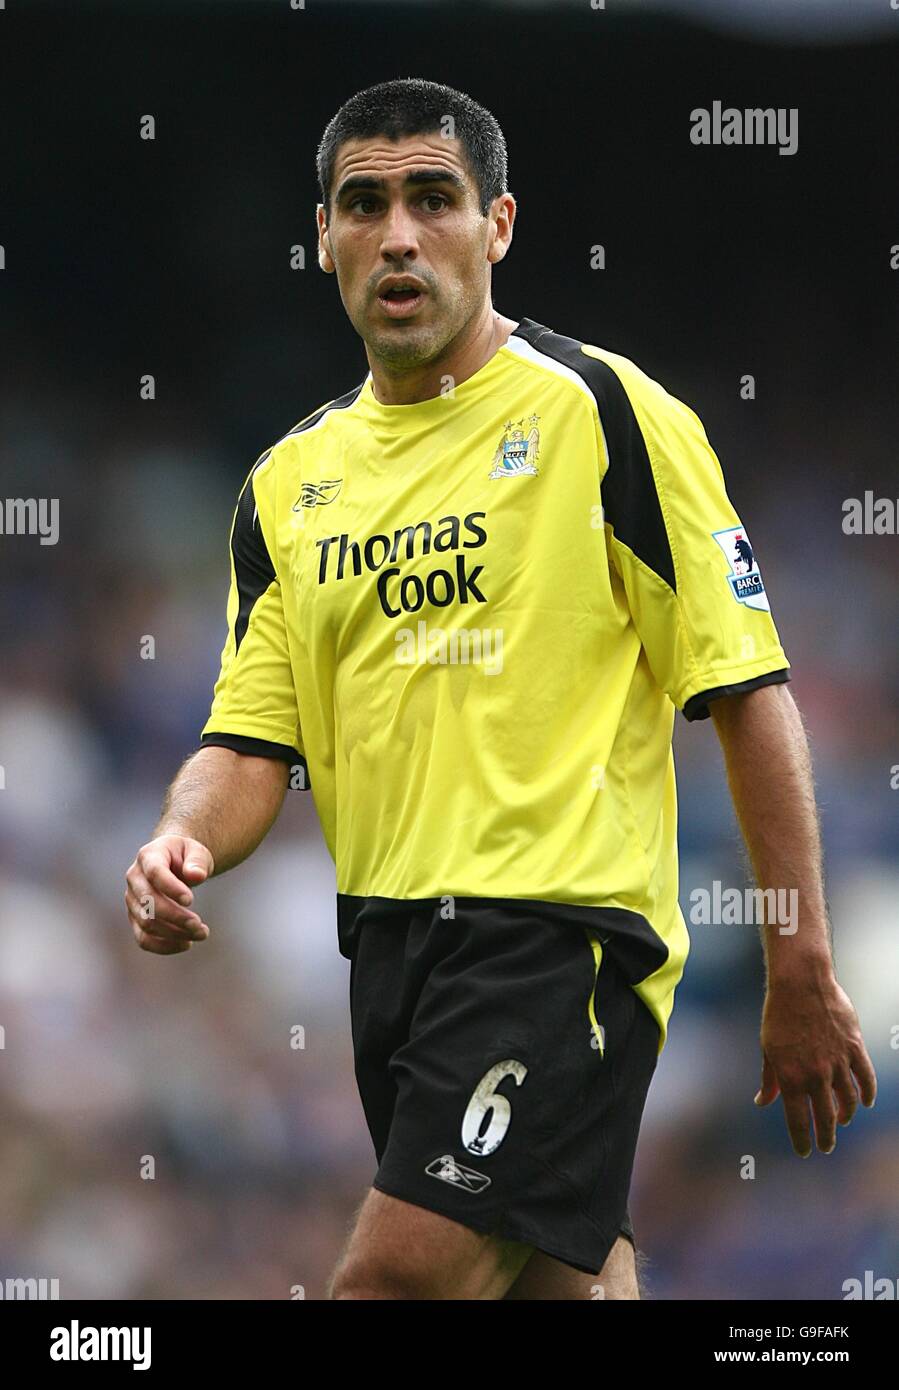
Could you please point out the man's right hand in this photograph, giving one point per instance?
(159, 894)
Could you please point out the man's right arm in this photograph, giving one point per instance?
(217, 810)
(225, 798)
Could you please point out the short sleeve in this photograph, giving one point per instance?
(254, 706)
(691, 575)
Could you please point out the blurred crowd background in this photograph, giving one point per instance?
(173, 257)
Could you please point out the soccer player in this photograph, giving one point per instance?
(467, 597)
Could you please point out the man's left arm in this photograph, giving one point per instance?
(811, 1041)
(699, 603)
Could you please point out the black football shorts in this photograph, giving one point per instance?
(503, 1061)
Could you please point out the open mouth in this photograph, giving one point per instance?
(400, 300)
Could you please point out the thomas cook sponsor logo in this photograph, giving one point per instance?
(77, 1343)
(745, 580)
(517, 452)
(457, 1175)
(318, 494)
(452, 581)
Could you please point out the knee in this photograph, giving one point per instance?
(358, 1279)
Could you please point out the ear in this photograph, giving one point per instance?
(502, 215)
(325, 259)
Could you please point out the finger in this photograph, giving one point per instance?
(163, 906)
(863, 1071)
(154, 910)
(155, 946)
(797, 1117)
(159, 875)
(141, 912)
(846, 1094)
(197, 865)
(825, 1114)
(769, 1087)
(161, 917)
(191, 861)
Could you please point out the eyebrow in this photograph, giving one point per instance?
(369, 182)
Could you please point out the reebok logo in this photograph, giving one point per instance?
(318, 494)
(448, 1170)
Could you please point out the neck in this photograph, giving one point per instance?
(459, 360)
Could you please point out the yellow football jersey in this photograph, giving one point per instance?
(472, 619)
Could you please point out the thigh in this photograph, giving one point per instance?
(510, 1118)
(548, 1279)
(500, 1124)
(402, 1251)
(390, 952)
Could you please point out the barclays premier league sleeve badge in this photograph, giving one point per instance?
(744, 578)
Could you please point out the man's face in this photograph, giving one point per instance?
(408, 212)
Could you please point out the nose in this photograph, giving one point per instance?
(399, 240)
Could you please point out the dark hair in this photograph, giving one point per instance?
(412, 106)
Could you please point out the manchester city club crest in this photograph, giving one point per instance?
(517, 452)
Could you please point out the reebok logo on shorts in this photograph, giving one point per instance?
(448, 1170)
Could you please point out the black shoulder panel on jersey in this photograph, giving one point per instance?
(629, 498)
(253, 568)
(341, 403)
